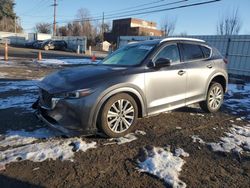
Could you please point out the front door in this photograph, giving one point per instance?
(166, 87)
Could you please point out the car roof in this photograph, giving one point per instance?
(168, 39)
(181, 39)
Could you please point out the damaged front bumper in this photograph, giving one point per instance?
(67, 116)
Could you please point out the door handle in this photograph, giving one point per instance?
(181, 72)
(209, 66)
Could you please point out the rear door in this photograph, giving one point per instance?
(199, 67)
(165, 87)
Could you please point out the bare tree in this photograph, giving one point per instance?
(63, 31)
(43, 28)
(168, 26)
(106, 27)
(83, 16)
(183, 34)
(229, 24)
(81, 26)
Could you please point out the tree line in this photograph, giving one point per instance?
(82, 27)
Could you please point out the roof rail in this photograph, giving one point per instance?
(181, 38)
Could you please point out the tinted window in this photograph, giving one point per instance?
(191, 52)
(206, 51)
(169, 52)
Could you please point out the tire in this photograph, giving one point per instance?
(119, 122)
(46, 48)
(214, 98)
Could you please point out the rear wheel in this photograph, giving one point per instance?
(118, 115)
(214, 98)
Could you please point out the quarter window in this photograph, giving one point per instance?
(169, 52)
(191, 52)
(206, 51)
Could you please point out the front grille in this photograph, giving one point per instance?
(46, 98)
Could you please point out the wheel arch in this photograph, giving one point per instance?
(220, 78)
(133, 92)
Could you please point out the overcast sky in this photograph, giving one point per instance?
(199, 20)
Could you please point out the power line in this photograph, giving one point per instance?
(152, 7)
(146, 12)
(129, 8)
(124, 9)
(37, 7)
(136, 6)
(136, 10)
(166, 9)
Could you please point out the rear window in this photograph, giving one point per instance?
(191, 52)
(206, 51)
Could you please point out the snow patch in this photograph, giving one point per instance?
(196, 138)
(3, 75)
(23, 101)
(67, 61)
(125, 139)
(237, 100)
(27, 85)
(164, 165)
(197, 114)
(22, 137)
(62, 149)
(236, 140)
(31, 146)
(180, 152)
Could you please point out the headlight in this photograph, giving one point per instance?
(78, 93)
(70, 95)
(74, 94)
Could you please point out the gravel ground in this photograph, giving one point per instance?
(112, 165)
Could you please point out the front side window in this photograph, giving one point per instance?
(191, 52)
(129, 55)
(170, 52)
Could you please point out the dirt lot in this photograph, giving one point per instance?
(115, 165)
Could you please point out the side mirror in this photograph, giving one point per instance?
(162, 62)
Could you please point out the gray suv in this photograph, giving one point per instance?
(138, 80)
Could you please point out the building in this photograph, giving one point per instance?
(132, 27)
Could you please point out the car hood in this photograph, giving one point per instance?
(77, 78)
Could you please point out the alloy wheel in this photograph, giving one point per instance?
(215, 97)
(120, 116)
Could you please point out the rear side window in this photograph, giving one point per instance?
(206, 51)
(191, 52)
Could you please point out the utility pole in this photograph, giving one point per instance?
(54, 23)
(102, 26)
(15, 25)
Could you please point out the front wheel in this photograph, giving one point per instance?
(46, 48)
(214, 98)
(118, 115)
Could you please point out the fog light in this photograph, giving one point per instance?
(54, 102)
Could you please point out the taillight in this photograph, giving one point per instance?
(225, 61)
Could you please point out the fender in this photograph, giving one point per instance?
(212, 77)
(119, 88)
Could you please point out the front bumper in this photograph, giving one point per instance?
(67, 116)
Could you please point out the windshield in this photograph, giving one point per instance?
(129, 55)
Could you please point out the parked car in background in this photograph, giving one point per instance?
(138, 80)
(38, 44)
(54, 45)
(33, 44)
